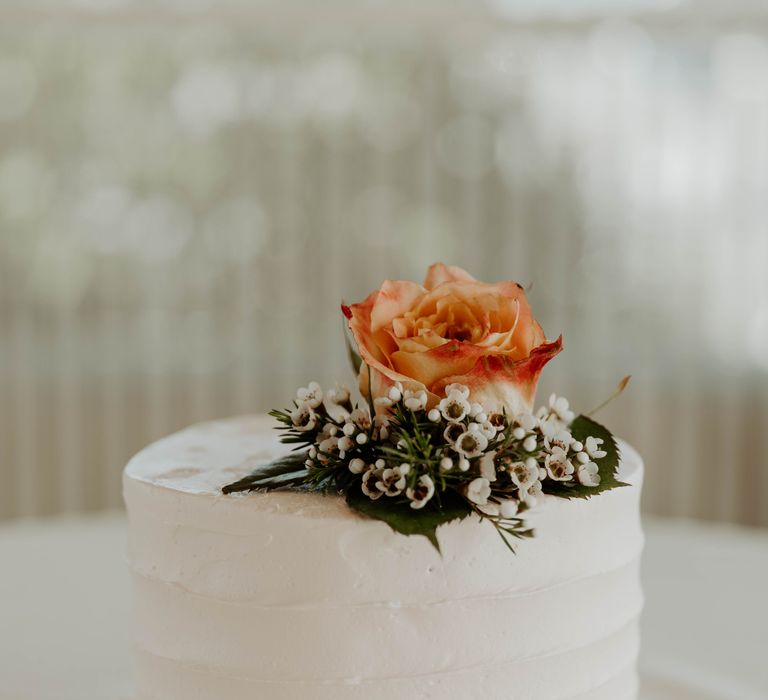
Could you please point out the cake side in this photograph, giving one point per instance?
(291, 595)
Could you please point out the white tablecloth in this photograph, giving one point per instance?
(64, 609)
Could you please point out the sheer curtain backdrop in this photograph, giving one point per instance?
(188, 191)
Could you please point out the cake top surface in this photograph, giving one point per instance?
(174, 486)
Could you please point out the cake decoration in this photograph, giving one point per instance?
(446, 428)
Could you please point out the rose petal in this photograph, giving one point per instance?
(439, 273)
(498, 382)
(432, 365)
(393, 299)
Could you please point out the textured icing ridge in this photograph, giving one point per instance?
(291, 596)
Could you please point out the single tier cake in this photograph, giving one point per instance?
(293, 596)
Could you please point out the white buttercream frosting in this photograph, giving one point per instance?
(291, 596)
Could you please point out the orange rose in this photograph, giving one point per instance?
(453, 329)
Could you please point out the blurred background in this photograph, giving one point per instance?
(188, 190)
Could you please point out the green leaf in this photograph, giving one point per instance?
(407, 521)
(582, 428)
(282, 472)
(354, 357)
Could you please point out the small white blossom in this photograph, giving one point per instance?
(478, 490)
(339, 395)
(582, 457)
(357, 465)
(529, 444)
(361, 439)
(561, 438)
(453, 432)
(337, 402)
(329, 446)
(530, 497)
(475, 409)
(592, 446)
(382, 427)
(434, 415)
(558, 406)
(393, 395)
(498, 421)
(304, 418)
(405, 468)
(588, 474)
(423, 491)
(446, 464)
(488, 466)
(491, 509)
(576, 446)
(525, 475)
(532, 463)
(312, 395)
(509, 508)
(349, 429)
(461, 389)
(415, 400)
(488, 429)
(463, 464)
(549, 427)
(336, 412)
(371, 479)
(481, 417)
(380, 464)
(329, 430)
(518, 433)
(527, 421)
(454, 407)
(313, 452)
(391, 482)
(361, 417)
(470, 443)
(559, 467)
(345, 443)
(309, 464)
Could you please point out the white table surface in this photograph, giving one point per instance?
(64, 610)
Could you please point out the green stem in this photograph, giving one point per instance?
(619, 389)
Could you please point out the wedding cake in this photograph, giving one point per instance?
(370, 562)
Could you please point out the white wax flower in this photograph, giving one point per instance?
(478, 490)
(415, 400)
(457, 389)
(491, 509)
(454, 407)
(488, 466)
(312, 395)
(303, 418)
(559, 467)
(592, 446)
(588, 474)
(392, 481)
(558, 405)
(371, 480)
(508, 508)
(356, 465)
(423, 491)
(471, 443)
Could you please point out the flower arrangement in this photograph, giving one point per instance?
(448, 372)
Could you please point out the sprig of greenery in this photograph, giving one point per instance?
(416, 438)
